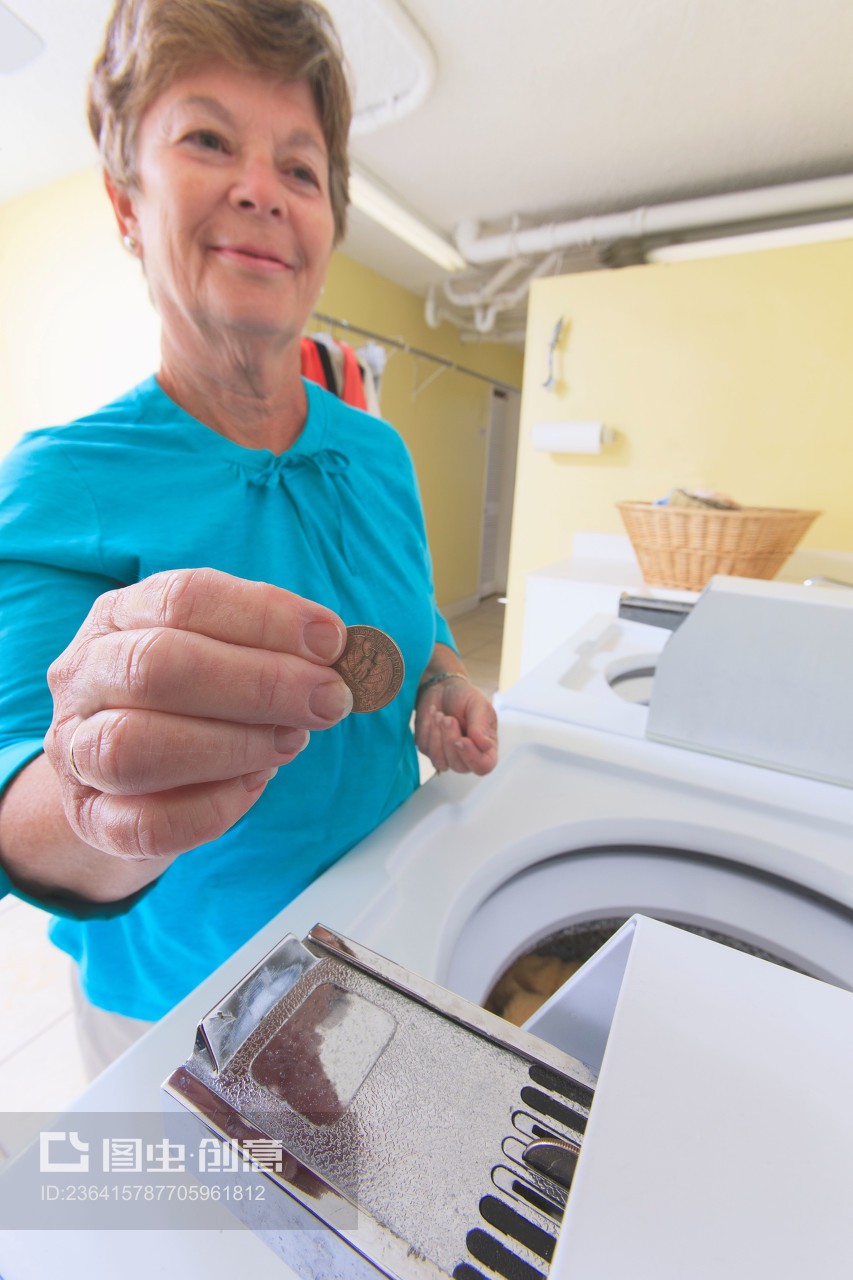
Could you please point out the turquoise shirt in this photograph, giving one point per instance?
(139, 487)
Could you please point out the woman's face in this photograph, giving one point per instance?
(231, 208)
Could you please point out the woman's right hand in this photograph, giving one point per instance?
(179, 697)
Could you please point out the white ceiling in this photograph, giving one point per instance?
(537, 107)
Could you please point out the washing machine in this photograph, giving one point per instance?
(588, 820)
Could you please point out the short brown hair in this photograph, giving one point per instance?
(149, 43)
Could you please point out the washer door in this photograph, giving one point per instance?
(589, 889)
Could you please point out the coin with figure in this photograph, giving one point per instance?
(371, 666)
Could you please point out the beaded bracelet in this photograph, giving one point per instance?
(442, 675)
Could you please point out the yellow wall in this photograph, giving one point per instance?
(733, 373)
(444, 424)
(76, 329)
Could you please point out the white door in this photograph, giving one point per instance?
(501, 449)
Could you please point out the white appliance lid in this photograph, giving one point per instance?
(760, 672)
(720, 1139)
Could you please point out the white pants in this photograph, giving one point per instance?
(102, 1036)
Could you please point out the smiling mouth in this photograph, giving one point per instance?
(247, 254)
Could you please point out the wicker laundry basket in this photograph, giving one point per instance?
(683, 547)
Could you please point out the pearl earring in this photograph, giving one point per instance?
(129, 243)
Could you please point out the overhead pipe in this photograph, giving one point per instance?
(486, 291)
(434, 314)
(484, 317)
(823, 195)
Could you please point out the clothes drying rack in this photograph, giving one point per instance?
(399, 345)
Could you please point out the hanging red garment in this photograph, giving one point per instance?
(317, 366)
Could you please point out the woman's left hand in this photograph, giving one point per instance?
(456, 727)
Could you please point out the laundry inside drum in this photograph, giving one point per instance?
(534, 977)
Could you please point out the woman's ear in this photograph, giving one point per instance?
(122, 203)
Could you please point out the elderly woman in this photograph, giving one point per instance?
(183, 563)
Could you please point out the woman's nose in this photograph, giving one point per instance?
(258, 187)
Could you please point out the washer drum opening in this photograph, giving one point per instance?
(554, 915)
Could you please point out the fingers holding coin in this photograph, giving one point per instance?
(132, 752)
(208, 602)
(181, 695)
(140, 790)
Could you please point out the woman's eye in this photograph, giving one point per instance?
(206, 139)
(304, 173)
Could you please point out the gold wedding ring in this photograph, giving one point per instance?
(77, 774)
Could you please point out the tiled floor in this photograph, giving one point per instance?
(40, 1066)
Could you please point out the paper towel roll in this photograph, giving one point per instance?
(571, 437)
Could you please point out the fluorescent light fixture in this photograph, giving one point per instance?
(373, 201)
(754, 241)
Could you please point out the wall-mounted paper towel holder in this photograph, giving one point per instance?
(572, 437)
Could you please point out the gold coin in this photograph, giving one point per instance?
(372, 668)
